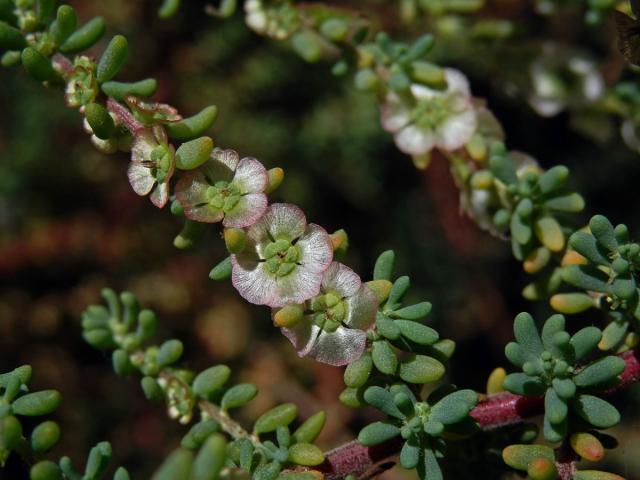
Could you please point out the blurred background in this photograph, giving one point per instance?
(71, 225)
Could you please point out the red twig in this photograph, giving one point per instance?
(124, 116)
(492, 412)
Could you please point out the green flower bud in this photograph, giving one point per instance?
(276, 177)
(234, 239)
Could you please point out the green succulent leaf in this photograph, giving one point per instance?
(377, 433)
(310, 428)
(37, 403)
(523, 384)
(238, 395)
(421, 369)
(177, 466)
(384, 357)
(597, 412)
(383, 400)
(600, 372)
(527, 336)
(357, 373)
(210, 380)
(585, 340)
(210, 459)
(454, 407)
(384, 265)
(305, 454)
(84, 37)
(280, 416)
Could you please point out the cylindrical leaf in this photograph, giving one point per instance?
(11, 38)
(177, 466)
(210, 380)
(238, 395)
(194, 153)
(99, 120)
(194, 126)
(310, 429)
(112, 59)
(305, 454)
(38, 66)
(210, 459)
(45, 436)
(421, 369)
(170, 352)
(280, 416)
(601, 371)
(45, 470)
(37, 403)
(120, 90)
(377, 433)
(85, 37)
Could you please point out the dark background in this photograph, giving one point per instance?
(70, 224)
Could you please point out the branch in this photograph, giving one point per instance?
(492, 412)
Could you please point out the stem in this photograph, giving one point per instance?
(492, 412)
(229, 425)
(124, 116)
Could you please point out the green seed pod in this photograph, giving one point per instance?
(310, 429)
(357, 373)
(99, 120)
(194, 126)
(120, 90)
(10, 432)
(151, 389)
(234, 239)
(177, 466)
(64, 24)
(45, 470)
(308, 45)
(276, 177)
(238, 395)
(193, 153)
(305, 454)
(280, 416)
(210, 380)
(222, 271)
(37, 65)
(86, 36)
(112, 59)
(45, 436)
(210, 459)
(421, 369)
(288, 316)
(37, 403)
(168, 8)
(11, 38)
(170, 352)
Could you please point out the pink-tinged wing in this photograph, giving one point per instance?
(253, 282)
(315, 248)
(341, 279)
(413, 140)
(284, 220)
(160, 195)
(303, 336)
(247, 211)
(251, 176)
(296, 287)
(191, 192)
(140, 178)
(456, 130)
(339, 348)
(361, 309)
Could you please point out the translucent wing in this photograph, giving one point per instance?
(628, 37)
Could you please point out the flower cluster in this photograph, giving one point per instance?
(429, 118)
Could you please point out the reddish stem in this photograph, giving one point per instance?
(124, 116)
(492, 412)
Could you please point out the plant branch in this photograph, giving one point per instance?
(492, 412)
(227, 424)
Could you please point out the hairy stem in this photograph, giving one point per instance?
(227, 424)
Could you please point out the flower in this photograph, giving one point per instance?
(81, 84)
(283, 260)
(444, 119)
(560, 78)
(333, 329)
(152, 113)
(152, 164)
(224, 188)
